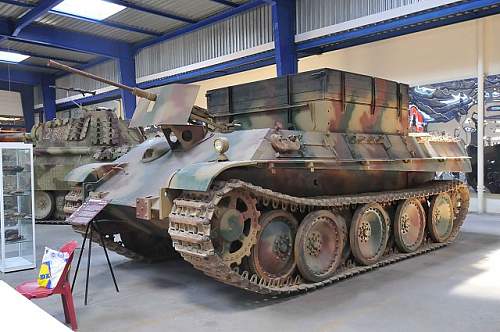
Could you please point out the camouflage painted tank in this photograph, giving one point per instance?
(95, 135)
(284, 185)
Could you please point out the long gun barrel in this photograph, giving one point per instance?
(13, 137)
(135, 91)
(197, 114)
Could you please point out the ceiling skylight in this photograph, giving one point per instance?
(12, 57)
(94, 9)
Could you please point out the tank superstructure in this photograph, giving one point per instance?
(283, 185)
(94, 135)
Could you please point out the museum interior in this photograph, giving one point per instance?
(249, 165)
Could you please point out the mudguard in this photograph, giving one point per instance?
(199, 176)
(91, 172)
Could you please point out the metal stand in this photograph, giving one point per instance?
(91, 227)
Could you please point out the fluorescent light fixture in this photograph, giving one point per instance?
(94, 9)
(12, 57)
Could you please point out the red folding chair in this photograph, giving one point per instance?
(32, 290)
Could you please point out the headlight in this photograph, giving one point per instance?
(221, 145)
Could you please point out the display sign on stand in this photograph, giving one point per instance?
(84, 216)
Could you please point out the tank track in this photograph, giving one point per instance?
(52, 222)
(190, 229)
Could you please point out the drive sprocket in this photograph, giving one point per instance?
(236, 226)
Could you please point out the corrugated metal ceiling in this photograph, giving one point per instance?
(91, 28)
(193, 9)
(7, 67)
(146, 21)
(46, 51)
(11, 11)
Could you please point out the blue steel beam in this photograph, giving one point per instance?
(283, 13)
(28, 103)
(38, 11)
(127, 77)
(74, 41)
(49, 97)
(20, 76)
(203, 23)
(416, 22)
(152, 11)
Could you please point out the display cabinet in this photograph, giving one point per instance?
(17, 223)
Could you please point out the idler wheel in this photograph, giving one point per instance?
(409, 225)
(45, 205)
(319, 245)
(236, 226)
(272, 256)
(440, 219)
(460, 200)
(369, 233)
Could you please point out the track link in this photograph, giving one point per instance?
(191, 216)
(52, 222)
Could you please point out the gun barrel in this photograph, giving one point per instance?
(12, 137)
(135, 91)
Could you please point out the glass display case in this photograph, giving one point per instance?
(17, 223)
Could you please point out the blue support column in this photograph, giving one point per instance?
(49, 98)
(284, 27)
(127, 73)
(28, 101)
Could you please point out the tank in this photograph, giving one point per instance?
(94, 135)
(491, 152)
(283, 185)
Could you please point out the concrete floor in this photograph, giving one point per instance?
(453, 289)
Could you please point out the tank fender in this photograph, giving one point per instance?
(199, 176)
(91, 172)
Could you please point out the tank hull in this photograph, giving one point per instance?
(315, 178)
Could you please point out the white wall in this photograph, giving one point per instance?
(431, 56)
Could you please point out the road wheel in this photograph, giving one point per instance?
(409, 225)
(272, 256)
(45, 204)
(369, 233)
(319, 245)
(440, 219)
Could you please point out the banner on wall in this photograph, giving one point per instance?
(451, 107)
